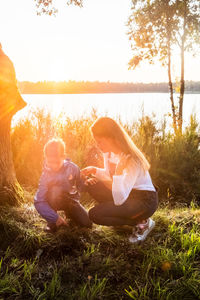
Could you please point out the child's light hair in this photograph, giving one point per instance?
(109, 128)
(54, 147)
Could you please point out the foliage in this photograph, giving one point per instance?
(151, 25)
(28, 140)
(156, 28)
(31, 134)
(174, 159)
(99, 263)
(179, 165)
(47, 6)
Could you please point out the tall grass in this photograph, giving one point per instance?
(175, 160)
(100, 263)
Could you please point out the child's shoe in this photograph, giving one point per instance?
(141, 231)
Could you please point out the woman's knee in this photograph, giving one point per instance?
(99, 192)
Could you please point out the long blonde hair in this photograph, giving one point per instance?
(109, 128)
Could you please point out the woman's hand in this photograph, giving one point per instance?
(122, 164)
(91, 181)
(88, 171)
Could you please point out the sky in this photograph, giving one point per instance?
(82, 44)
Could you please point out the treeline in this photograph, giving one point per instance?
(84, 87)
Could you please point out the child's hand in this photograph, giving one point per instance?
(122, 164)
(88, 171)
(60, 221)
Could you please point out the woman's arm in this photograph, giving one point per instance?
(100, 173)
(123, 181)
(88, 171)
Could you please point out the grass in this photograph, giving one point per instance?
(99, 263)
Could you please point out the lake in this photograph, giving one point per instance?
(128, 106)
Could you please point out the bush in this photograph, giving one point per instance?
(179, 166)
(31, 134)
(175, 160)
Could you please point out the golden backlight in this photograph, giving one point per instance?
(78, 44)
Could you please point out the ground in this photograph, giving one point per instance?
(99, 263)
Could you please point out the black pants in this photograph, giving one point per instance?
(71, 207)
(139, 206)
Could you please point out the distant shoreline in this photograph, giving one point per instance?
(96, 87)
(85, 93)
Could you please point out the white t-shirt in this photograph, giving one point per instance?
(133, 177)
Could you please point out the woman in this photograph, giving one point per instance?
(123, 188)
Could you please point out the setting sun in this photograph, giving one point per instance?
(76, 44)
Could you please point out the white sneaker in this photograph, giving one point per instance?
(140, 235)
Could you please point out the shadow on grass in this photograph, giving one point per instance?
(99, 263)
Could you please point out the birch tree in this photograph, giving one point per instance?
(156, 28)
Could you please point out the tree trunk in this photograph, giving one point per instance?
(182, 81)
(182, 90)
(10, 102)
(171, 90)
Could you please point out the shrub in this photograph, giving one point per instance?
(174, 159)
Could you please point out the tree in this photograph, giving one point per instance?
(47, 6)
(188, 15)
(156, 27)
(10, 102)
